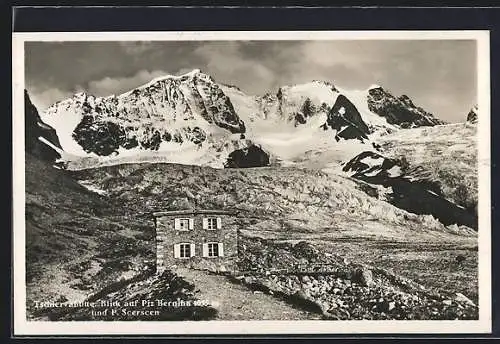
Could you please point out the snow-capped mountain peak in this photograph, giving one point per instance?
(195, 73)
(190, 118)
(186, 117)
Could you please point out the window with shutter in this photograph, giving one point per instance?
(183, 224)
(185, 250)
(213, 249)
(211, 223)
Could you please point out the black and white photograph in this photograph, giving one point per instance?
(268, 181)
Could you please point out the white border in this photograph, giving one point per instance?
(483, 325)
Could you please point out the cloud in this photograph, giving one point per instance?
(103, 87)
(43, 99)
(427, 71)
(226, 63)
(322, 60)
(136, 47)
(328, 54)
(109, 85)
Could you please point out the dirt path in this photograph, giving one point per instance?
(236, 302)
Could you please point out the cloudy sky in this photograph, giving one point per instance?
(440, 76)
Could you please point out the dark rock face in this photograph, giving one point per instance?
(362, 164)
(102, 138)
(221, 111)
(400, 111)
(105, 137)
(34, 128)
(299, 119)
(252, 156)
(346, 119)
(410, 191)
(472, 115)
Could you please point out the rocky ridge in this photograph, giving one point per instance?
(192, 119)
(40, 139)
(399, 110)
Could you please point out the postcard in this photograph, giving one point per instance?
(250, 182)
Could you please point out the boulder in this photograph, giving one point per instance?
(248, 280)
(459, 297)
(300, 294)
(303, 249)
(392, 305)
(362, 276)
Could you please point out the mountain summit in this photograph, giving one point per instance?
(187, 117)
(192, 119)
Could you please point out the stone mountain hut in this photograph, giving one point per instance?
(200, 239)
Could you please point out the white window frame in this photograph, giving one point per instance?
(214, 247)
(184, 248)
(207, 251)
(186, 253)
(212, 223)
(187, 224)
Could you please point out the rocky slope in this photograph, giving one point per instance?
(410, 188)
(342, 290)
(77, 241)
(40, 139)
(449, 154)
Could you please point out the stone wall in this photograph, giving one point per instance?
(167, 236)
